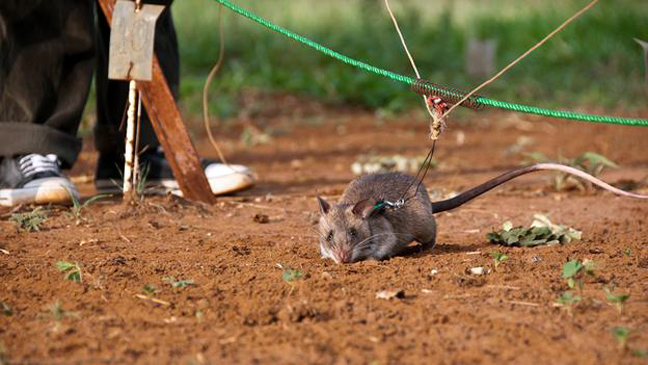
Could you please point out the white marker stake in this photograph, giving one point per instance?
(130, 136)
(131, 58)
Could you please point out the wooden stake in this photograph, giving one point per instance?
(170, 130)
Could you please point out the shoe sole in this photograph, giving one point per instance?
(51, 190)
(219, 185)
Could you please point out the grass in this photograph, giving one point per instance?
(56, 312)
(31, 221)
(77, 207)
(179, 283)
(72, 271)
(289, 274)
(617, 299)
(621, 334)
(149, 289)
(567, 300)
(589, 162)
(594, 62)
(5, 309)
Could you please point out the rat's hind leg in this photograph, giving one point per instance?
(427, 234)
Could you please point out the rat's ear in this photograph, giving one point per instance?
(365, 208)
(324, 206)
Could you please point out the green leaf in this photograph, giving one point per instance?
(596, 159)
(64, 266)
(570, 283)
(568, 298)
(290, 274)
(177, 283)
(74, 276)
(541, 232)
(572, 268)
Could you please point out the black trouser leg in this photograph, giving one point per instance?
(46, 64)
(112, 95)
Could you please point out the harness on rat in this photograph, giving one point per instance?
(425, 166)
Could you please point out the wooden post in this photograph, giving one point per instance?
(170, 130)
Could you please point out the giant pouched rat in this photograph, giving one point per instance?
(359, 227)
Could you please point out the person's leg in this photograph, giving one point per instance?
(112, 96)
(46, 65)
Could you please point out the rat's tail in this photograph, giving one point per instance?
(467, 196)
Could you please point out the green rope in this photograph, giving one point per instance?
(410, 81)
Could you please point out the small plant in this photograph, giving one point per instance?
(77, 206)
(621, 334)
(252, 136)
(6, 309)
(149, 289)
(617, 299)
(31, 221)
(178, 283)
(567, 300)
(142, 175)
(642, 354)
(589, 162)
(499, 258)
(627, 252)
(541, 232)
(55, 312)
(289, 274)
(71, 271)
(574, 271)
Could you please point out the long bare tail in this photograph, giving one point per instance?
(468, 195)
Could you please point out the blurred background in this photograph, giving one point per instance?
(594, 63)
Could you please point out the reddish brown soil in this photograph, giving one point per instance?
(240, 310)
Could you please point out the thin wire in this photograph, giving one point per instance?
(510, 65)
(428, 158)
(210, 77)
(426, 165)
(402, 39)
(409, 55)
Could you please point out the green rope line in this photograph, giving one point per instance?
(410, 81)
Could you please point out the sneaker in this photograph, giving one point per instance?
(158, 176)
(34, 179)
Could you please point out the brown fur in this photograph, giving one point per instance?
(379, 234)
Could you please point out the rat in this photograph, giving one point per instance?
(365, 224)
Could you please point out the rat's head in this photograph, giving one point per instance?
(352, 232)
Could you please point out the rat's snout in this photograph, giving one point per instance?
(342, 256)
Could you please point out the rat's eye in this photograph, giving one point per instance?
(330, 236)
(353, 233)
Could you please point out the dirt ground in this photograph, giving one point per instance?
(240, 309)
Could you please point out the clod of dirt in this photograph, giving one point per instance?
(261, 218)
(467, 282)
(301, 312)
(390, 294)
(241, 251)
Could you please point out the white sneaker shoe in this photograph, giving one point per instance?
(158, 177)
(34, 179)
(223, 179)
